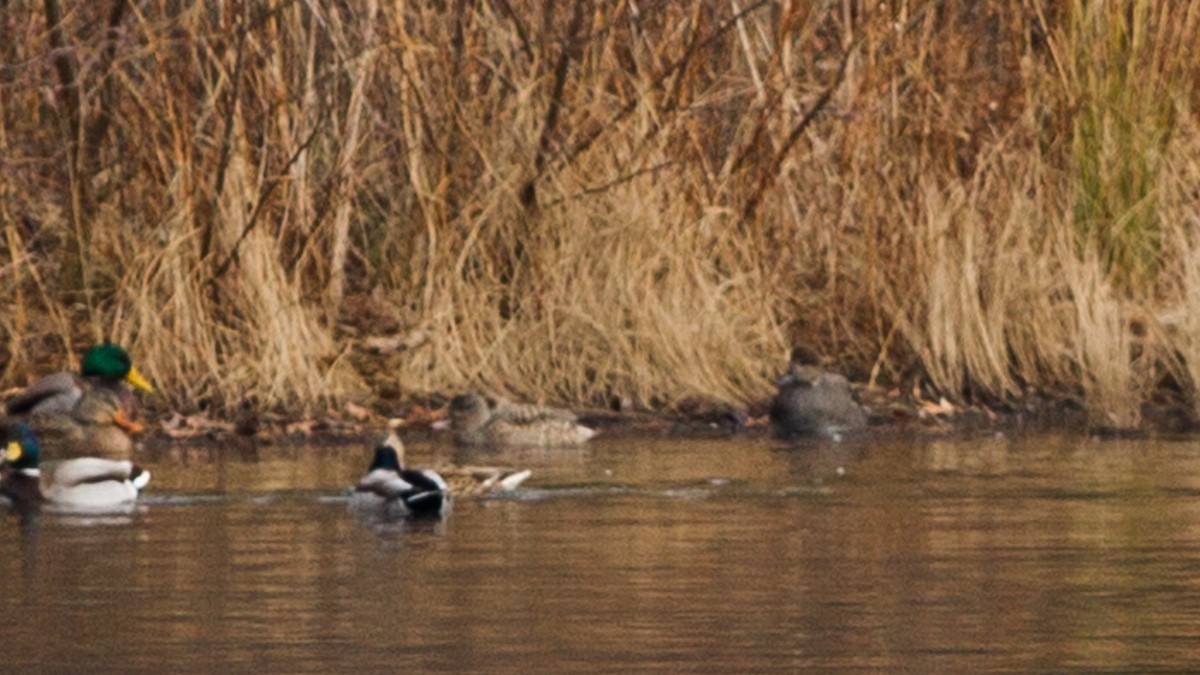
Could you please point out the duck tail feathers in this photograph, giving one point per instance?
(512, 480)
(427, 502)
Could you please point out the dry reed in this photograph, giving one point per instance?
(581, 201)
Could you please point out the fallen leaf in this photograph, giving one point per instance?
(303, 427)
(357, 412)
(941, 408)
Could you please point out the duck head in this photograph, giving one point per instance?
(468, 412)
(22, 451)
(803, 369)
(111, 363)
(389, 454)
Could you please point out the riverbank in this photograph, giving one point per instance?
(890, 415)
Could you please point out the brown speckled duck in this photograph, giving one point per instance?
(475, 421)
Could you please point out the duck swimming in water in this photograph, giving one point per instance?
(86, 484)
(392, 491)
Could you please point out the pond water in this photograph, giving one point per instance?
(633, 554)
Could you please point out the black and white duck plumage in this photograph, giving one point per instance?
(390, 490)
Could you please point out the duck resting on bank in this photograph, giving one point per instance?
(104, 365)
(87, 414)
(476, 421)
(101, 424)
(86, 484)
(812, 401)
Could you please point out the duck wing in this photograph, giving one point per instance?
(429, 494)
(474, 480)
(84, 470)
(385, 483)
(95, 483)
(55, 393)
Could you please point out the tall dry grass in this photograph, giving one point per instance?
(581, 201)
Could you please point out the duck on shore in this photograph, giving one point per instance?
(104, 365)
(85, 484)
(814, 402)
(89, 413)
(100, 424)
(476, 421)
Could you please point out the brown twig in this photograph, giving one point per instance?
(522, 33)
(771, 172)
(570, 51)
(232, 257)
(568, 156)
(97, 127)
(227, 135)
(615, 182)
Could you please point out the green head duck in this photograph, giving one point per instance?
(111, 363)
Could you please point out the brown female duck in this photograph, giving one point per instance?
(475, 421)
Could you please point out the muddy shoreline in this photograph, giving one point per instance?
(889, 416)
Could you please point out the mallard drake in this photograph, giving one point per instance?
(106, 365)
(83, 484)
(476, 422)
(100, 424)
(811, 401)
(390, 490)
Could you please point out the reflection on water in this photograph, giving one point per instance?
(736, 555)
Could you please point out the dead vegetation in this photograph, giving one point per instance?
(644, 201)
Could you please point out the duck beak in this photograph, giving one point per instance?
(138, 382)
(12, 453)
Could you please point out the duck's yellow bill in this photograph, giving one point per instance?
(135, 378)
(13, 453)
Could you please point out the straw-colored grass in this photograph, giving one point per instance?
(583, 201)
